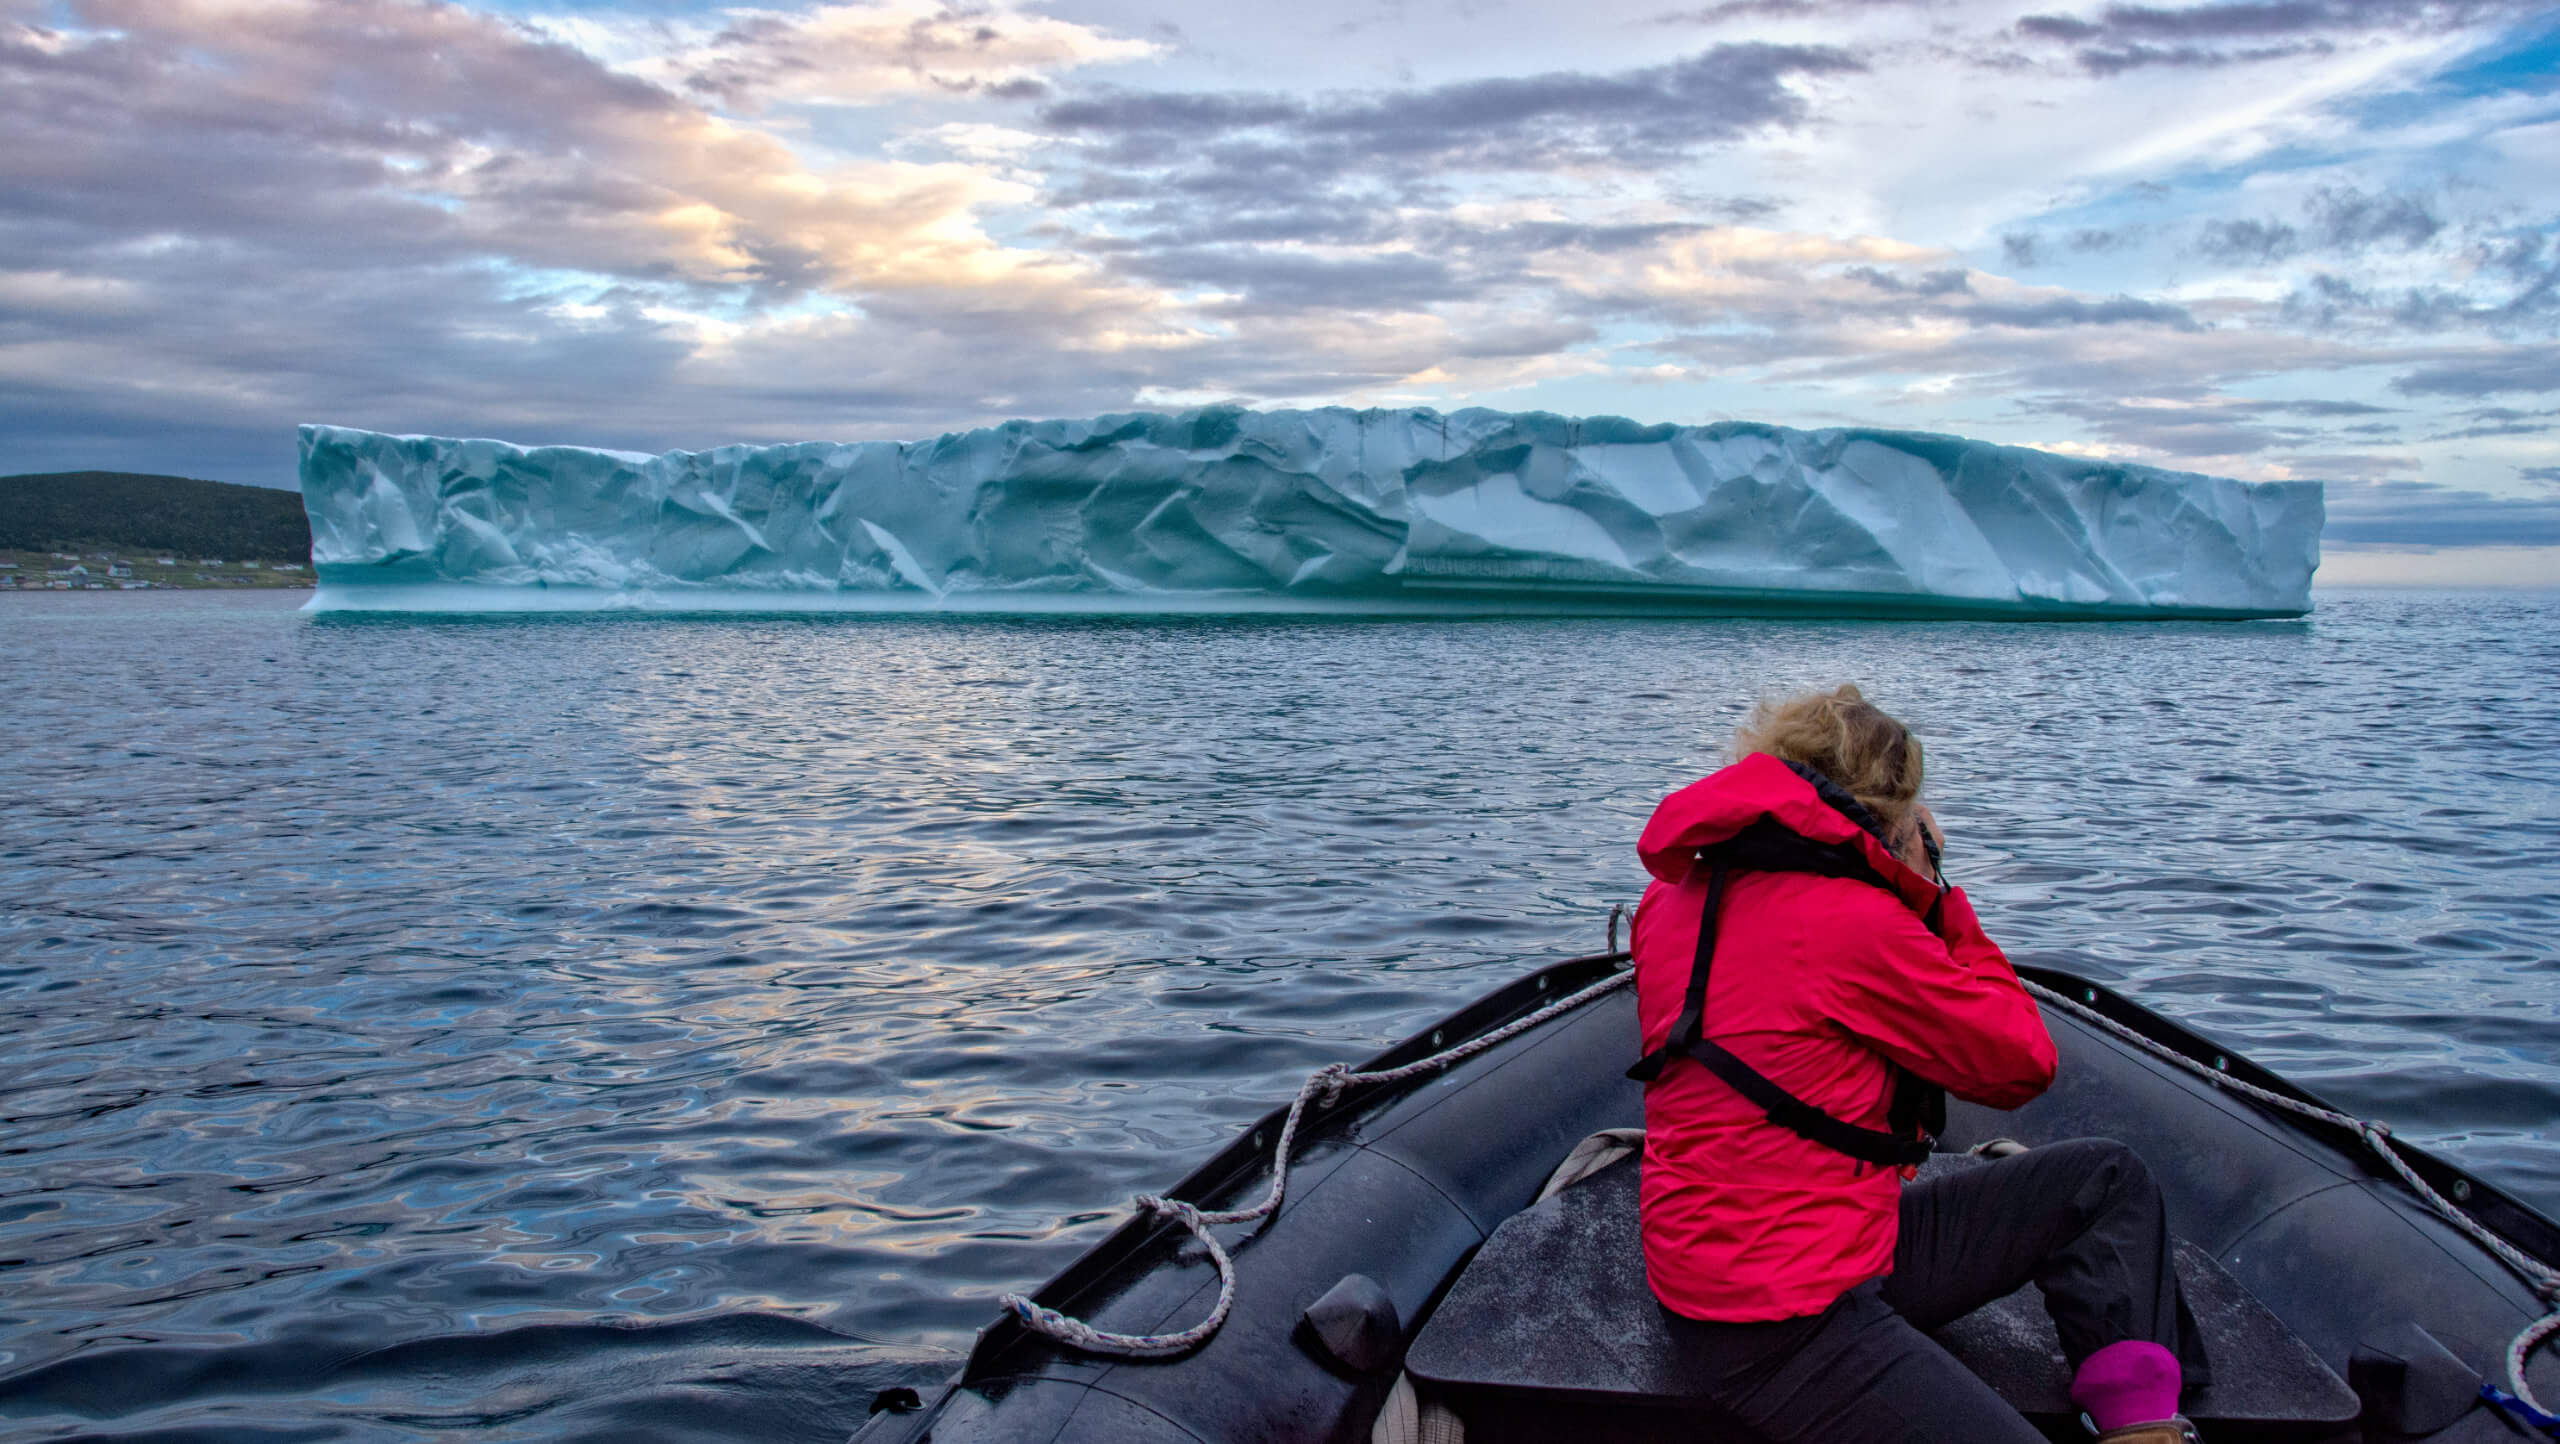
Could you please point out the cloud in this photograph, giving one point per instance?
(2386, 565)
(2366, 466)
(1285, 202)
(2337, 219)
(2501, 421)
(2095, 239)
(2134, 37)
(283, 124)
(2202, 422)
(1729, 11)
(2026, 249)
(2114, 60)
(2408, 513)
(2326, 298)
(2436, 308)
(857, 52)
(747, 58)
(1389, 280)
(1947, 282)
(1802, 289)
(2244, 19)
(1622, 119)
(2258, 241)
(2347, 219)
(2480, 273)
(2519, 368)
(303, 221)
(2167, 426)
(2319, 408)
(2079, 311)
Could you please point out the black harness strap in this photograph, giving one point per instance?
(1918, 1111)
(1691, 1026)
(1802, 1119)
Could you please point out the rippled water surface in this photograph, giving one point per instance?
(658, 1028)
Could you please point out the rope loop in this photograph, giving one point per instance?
(1329, 1083)
(1323, 1086)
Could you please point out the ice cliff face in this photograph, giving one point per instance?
(1225, 509)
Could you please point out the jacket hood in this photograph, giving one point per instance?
(1723, 803)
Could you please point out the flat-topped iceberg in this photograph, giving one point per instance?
(1225, 509)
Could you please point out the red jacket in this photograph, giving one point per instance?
(1818, 981)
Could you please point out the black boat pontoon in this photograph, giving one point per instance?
(1413, 1281)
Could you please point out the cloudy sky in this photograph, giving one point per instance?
(2277, 238)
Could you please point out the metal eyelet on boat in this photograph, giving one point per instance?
(1435, 1037)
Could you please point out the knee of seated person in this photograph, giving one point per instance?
(2115, 1164)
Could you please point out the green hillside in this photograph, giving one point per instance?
(74, 511)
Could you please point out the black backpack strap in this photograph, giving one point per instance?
(1918, 1112)
(1692, 1022)
(1768, 845)
(1804, 1120)
(1919, 1106)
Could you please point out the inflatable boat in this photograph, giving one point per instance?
(1436, 1267)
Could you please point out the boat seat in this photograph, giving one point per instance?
(1551, 1333)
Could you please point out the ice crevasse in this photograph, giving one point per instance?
(1224, 509)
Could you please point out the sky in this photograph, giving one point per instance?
(2267, 239)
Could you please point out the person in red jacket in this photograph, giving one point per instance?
(1807, 985)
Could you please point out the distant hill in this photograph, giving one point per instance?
(124, 511)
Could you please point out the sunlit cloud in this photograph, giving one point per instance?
(748, 57)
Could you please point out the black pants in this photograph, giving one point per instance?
(2081, 1219)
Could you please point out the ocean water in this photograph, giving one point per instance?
(625, 1027)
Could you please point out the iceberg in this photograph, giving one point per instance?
(1230, 510)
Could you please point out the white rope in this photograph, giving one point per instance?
(1323, 1087)
(2544, 1280)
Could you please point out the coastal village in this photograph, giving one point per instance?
(113, 531)
(25, 571)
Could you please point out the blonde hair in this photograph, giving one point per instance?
(1848, 739)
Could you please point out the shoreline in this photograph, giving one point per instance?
(49, 571)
